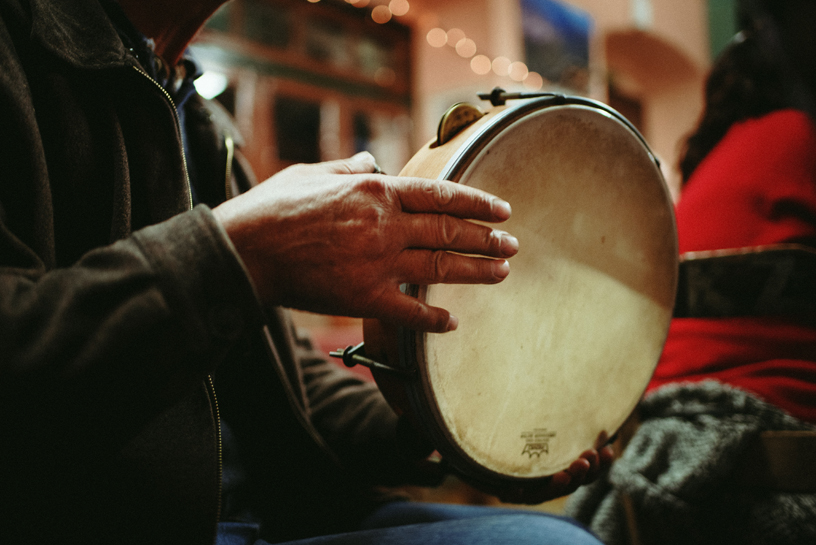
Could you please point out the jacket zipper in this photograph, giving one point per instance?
(178, 126)
(229, 143)
(218, 441)
(210, 385)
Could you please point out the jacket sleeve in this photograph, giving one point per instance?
(91, 352)
(95, 346)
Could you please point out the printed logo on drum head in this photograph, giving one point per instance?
(537, 442)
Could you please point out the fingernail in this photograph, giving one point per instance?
(509, 244)
(501, 208)
(362, 155)
(453, 323)
(501, 268)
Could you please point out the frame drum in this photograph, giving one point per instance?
(557, 355)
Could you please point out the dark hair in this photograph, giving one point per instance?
(747, 81)
(760, 71)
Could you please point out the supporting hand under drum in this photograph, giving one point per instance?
(585, 470)
(336, 238)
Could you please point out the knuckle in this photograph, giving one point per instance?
(442, 194)
(373, 229)
(447, 230)
(439, 266)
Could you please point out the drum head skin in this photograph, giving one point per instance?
(559, 353)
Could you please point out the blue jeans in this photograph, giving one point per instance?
(406, 523)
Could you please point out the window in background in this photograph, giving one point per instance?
(362, 132)
(374, 56)
(297, 126)
(328, 42)
(386, 135)
(311, 81)
(267, 23)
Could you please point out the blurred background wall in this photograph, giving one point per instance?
(317, 80)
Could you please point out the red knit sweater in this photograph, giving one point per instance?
(757, 187)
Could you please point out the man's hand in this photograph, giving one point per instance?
(337, 239)
(586, 469)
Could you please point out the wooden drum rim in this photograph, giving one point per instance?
(404, 348)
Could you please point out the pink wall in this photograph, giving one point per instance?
(657, 50)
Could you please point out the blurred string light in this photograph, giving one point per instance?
(399, 7)
(465, 47)
(437, 37)
(501, 66)
(517, 71)
(382, 13)
(482, 64)
(454, 35)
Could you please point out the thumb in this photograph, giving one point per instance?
(361, 163)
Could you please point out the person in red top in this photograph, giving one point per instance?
(750, 181)
(740, 356)
(757, 187)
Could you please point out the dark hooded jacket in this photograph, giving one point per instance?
(128, 326)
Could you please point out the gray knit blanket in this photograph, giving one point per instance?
(677, 473)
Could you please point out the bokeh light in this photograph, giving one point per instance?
(455, 35)
(466, 48)
(399, 7)
(481, 64)
(517, 71)
(501, 66)
(381, 14)
(437, 37)
(533, 81)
